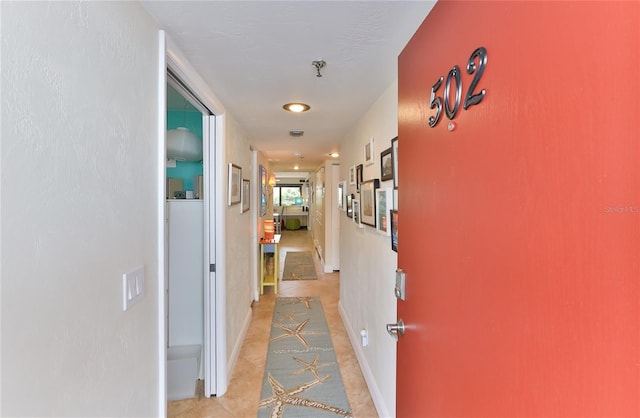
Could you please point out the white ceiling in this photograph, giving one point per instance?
(257, 55)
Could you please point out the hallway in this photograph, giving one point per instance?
(243, 395)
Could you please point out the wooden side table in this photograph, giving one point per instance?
(269, 250)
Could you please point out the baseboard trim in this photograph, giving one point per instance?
(374, 390)
(238, 345)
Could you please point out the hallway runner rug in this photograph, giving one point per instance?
(298, 265)
(301, 376)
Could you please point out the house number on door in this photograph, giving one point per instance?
(470, 99)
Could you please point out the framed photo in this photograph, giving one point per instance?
(359, 169)
(342, 193)
(246, 196)
(352, 175)
(350, 205)
(356, 213)
(263, 190)
(386, 165)
(394, 159)
(235, 184)
(368, 201)
(394, 230)
(384, 200)
(368, 152)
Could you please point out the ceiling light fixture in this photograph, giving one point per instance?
(334, 155)
(296, 107)
(319, 64)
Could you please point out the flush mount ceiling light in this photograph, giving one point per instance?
(334, 155)
(296, 107)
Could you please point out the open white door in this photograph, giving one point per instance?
(210, 375)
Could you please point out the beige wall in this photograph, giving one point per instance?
(238, 273)
(367, 263)
(79, 208)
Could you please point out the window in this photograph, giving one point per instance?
(286, 195)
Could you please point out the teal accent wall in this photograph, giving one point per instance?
(191, 120)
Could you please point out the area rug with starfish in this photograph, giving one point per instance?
(301, 376)
(298, 265)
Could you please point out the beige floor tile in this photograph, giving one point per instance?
(243, 394)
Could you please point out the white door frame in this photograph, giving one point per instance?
(171, 57)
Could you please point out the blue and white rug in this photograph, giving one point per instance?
(301, 377)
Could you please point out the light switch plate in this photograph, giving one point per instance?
(132, 287)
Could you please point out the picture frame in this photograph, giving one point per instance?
(246, 196)
(394, 160)
(342, 193)
(359, 169)
(368, 152)
(235, 184)
(384, 201)
(350, 198)
(352, 175)
(357, 219)
(394, 230)
(262, 173)
(386, 165)
(368, 201)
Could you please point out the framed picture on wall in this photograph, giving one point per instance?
(386, 165)
(262, 173)
(352, 175)
(394, 230)
(350, 198)
(246, 196)
(342, 194)
(368, 201)
(368, 152)
(394, 161)
(384, 200)
(235, 184)
(359, 169)
(356, 213)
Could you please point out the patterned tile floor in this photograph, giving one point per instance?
(243, 395)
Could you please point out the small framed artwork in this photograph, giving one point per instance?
(246, 196)
(356, 213)
(386, 165)
(368, 201)
(383, 206)
(263, 191)
(342, 192)
(394, 161)
(368, 152)
(394, 230)
(350, 205)
(359, 169)
(352, 175)
(235, 184)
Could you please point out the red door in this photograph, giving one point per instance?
(519, 228)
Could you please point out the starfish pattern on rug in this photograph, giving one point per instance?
(282, 397)
(289, 316)
(306, 300)
(295, 332)
(311, 367)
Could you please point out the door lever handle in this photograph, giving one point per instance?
(396, 329)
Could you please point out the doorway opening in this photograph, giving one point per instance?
(189, 237)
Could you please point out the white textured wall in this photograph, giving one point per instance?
(367, 263)
(79, 146)
(238, 243)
